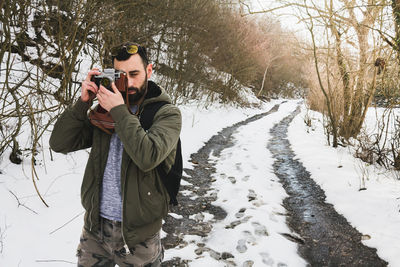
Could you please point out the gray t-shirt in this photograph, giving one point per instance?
(110, 198)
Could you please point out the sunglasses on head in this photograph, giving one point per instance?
(130, 49)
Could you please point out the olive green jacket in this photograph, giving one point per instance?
(144, 198)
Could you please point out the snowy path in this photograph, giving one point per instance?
(245, 225)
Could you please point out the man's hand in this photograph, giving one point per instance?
(108, 99)
(89, 88)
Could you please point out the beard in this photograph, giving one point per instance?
(139, 93)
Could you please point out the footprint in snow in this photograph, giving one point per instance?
(238, 166)
(252, 195)
(241, 246)
(248, 263)
(240, 213)
(249, 237)
(246, 178)
(232, 179)
(260, 229)
(236, 223)
(266, 259)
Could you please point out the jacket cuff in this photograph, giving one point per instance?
(119, 112)
(80, 108)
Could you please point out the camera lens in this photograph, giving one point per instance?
(106, 83)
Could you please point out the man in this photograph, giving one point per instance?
(122, 192)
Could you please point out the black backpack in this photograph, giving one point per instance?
(172, 179)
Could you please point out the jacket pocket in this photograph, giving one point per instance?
(150, 204)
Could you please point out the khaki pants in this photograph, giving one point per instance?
(106, 249)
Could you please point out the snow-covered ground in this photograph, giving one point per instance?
(34, 235)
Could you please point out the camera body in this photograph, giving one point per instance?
(108, 76)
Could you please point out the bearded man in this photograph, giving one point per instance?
(122, 192)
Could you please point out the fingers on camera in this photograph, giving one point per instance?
(91, 73)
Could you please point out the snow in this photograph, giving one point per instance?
(33, 235)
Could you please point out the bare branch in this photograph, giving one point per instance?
(52, 232)
(21, 204)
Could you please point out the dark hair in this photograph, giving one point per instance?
(124, 55)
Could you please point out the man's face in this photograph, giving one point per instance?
(137, 76)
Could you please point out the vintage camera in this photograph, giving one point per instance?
(108, 76)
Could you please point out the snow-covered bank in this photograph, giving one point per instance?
(374, 212)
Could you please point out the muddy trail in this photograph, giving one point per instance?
(327, 239)
(196, 197)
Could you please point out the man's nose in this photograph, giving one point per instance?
(130, 82)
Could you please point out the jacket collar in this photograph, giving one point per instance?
(153, 90)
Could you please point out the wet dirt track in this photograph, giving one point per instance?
(327, 239)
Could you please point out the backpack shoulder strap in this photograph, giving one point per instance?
(147, 115)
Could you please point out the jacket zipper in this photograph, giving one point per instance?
(127, 251)
(90, 213)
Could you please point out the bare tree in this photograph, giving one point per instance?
(348, 25)
(41, 43)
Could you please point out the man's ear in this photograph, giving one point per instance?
(149, 70)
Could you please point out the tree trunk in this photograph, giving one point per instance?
(396, 15)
